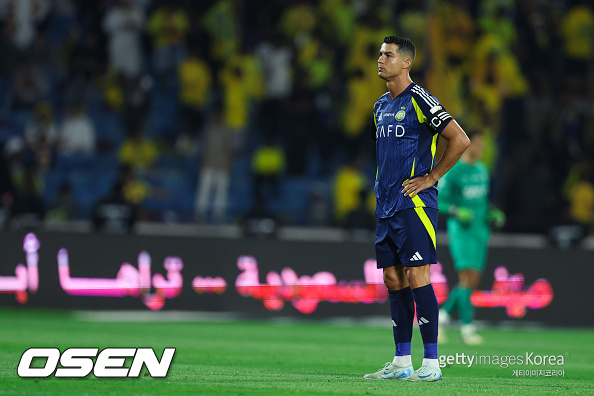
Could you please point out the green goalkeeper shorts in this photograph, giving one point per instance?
(468, 246)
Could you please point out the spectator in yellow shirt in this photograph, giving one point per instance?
(348, 184)
(268, 166)
(577, 30)
(195, 80)
(242, 84)
(581, 201)
(168, 25)
(138, 152)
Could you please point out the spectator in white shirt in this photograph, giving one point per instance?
(77, 133)
(124, 25)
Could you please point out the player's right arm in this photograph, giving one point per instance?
(458, 142)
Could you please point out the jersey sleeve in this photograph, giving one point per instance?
(373, 127)
(429, 110)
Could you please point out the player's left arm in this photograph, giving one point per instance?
(458, 142)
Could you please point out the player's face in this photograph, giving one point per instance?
(390, 63)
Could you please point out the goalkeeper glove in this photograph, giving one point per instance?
(462, 214)
(496, 217)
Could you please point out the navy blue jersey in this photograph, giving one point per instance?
(407, 131)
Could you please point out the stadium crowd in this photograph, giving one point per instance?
(214, 111)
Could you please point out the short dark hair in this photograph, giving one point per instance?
(405, 46)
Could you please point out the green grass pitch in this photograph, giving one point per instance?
(283, 358)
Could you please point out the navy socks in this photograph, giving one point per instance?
(402, 310)
(427, 316)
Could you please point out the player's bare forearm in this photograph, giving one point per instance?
(458, 143)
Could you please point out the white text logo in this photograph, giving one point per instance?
(397, 131)
(504, 361)
(77, 362)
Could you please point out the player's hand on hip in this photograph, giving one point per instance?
(414, 186)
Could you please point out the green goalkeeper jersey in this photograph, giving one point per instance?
(466, 186)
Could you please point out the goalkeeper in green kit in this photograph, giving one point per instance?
(463, 196)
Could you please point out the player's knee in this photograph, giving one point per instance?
(418, 276)
(390, 283)
(394, 281)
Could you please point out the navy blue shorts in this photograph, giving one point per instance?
(407, 238)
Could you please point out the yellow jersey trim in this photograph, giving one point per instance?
(427, 223)
(420, 116)
(433, 149)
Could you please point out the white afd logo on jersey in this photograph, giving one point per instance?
(389, 131)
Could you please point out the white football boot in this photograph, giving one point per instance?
(426, 373)
(392, 372)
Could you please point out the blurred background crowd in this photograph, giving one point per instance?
(185, 111)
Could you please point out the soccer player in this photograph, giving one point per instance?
(409, 122)
(463, 196)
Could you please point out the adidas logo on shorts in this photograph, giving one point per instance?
(416, 257)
